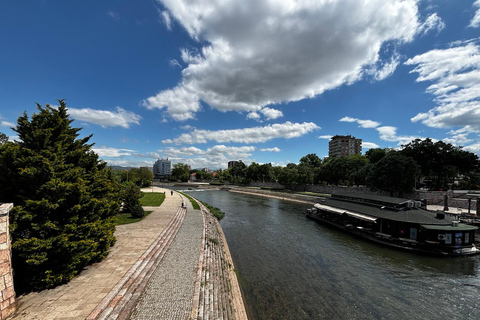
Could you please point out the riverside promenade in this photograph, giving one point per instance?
(156, 270)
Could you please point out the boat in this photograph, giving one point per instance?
(397, 222)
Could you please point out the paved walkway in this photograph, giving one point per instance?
(78, 298)
(169, 292)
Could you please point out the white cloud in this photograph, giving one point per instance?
(325, 137)
(285, 130)
(274, 149)
(455, 73)
(433, 22)
(389, 133)
(271, 114)
(174, 63)
(473, 148)
(362, 123)
(475, 22)
(387, 69)
(105, 118)
(369, 145)
(259, 53)
(253, 115)
(167, 20)
(6, 124)
(214, 157)
(112, 152)
(115, 16)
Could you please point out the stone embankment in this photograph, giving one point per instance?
(217, 294)
(277, 195)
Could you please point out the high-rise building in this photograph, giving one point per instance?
(342, 146)
(232, 164)
(162, 168)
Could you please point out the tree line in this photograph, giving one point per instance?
(435, 165)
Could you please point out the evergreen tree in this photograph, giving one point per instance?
(65, 200)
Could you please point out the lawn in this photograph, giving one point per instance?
(126, 218)
(153, 199)
(192, 201)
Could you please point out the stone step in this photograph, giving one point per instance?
(115, 301)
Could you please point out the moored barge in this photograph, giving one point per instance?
(397, 222)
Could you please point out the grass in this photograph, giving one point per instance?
(153, 199)
(192, 201)
(217, 213)
(126, 218)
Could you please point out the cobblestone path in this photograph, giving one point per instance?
(168, 294)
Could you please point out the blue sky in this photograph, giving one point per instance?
(209, 81)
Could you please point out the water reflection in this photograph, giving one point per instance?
(293, 268)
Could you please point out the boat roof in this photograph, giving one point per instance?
(390, 201)
(411, 215)
(460, 227)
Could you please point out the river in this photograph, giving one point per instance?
(290, 267)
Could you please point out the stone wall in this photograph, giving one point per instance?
(7, 293)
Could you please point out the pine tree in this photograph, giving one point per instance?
(65, 200)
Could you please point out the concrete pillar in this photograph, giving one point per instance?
(7, 296)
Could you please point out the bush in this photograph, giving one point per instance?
(137, 212)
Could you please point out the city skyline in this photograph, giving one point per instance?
(266, 82)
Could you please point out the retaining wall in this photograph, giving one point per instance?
(7, 292)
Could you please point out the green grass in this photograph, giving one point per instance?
(217, 213)
(192, 201)
(153, 199)
(126, 218)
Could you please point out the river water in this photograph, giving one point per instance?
(290, 267)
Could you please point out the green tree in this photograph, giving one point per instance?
(131, 200)
(375, 155)
(65, 200)
(394, 173)
(311, 160)
(180, 172)
(441, 162)
(3, 138)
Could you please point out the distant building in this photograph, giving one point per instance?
(162, 168)
(232, 164)
(342, 146)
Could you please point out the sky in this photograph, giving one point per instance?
(269, 81)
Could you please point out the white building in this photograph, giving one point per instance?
(162, 168)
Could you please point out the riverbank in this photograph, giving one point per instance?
(308, 199)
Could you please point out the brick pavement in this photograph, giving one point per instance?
(78, 298)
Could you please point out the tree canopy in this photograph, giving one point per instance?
(65, 200)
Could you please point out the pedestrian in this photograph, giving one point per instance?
(171, 192)
(182, 204)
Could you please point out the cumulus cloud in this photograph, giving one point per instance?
(362, 123)
(274, 149)
(389, 133)
(455, 73)
(214, 157)
(105, 118)
(271, 114)
(258, 53)
(285, 130)
(369, 145)
(475, 22)
(112, 152)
